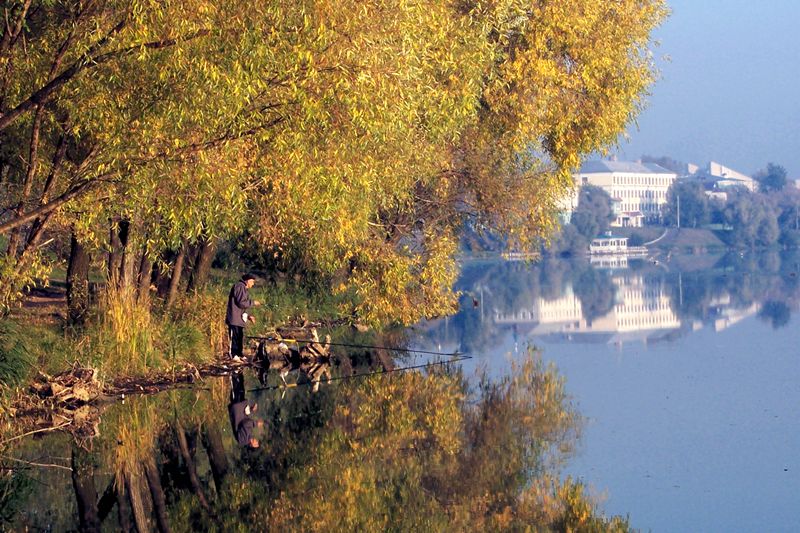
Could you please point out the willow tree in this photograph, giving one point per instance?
(129, 112)
(71, 94)
(410, 119)
(361, 136)
(377, 95)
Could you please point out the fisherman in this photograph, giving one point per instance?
(237, 315)
(239, 411)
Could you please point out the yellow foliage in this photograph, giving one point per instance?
(460, 461)
(355, 137)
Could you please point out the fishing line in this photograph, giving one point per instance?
(411, 350)
(453, 359)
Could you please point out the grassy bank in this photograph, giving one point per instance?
(130, 336)
(678, 240)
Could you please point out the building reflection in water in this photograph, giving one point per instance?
(641, 309)
(617, 300)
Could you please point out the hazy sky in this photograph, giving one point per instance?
(730, 90)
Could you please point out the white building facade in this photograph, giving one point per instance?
(638, 190)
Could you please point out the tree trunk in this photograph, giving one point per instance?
(127, 258)
(190, 468)
(37, 228)
(35, 234)
(157, 494)
(144, 276)
(85, 492)
(202, 266)
(114, 253)
(107, 501)
(175, 280)
(33, 161)
(212, 441)
(160, 277)
(133, 484)
(77, 283)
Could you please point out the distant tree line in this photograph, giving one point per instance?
(764, 218)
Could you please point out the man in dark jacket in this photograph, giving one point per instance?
(239, 411)
(237, 315)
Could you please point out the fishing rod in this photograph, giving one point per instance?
(454, 359)
(275, 339)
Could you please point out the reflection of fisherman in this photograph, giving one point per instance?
(239, 411)
(236, 316)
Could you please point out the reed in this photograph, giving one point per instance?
(198, 323)
(15, 358)
(124, 337)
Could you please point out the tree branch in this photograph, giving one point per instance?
(87, 60)
(9, 35)
(76, 190)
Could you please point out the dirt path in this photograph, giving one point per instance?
(43, 305)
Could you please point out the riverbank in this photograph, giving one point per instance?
(676, 240)
(133, 345)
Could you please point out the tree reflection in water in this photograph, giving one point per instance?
(572, 300)
(419, 451)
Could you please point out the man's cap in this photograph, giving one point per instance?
(249, 276)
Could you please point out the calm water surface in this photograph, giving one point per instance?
(687, 371)
(684, 376)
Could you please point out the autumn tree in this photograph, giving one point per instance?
(355, 138)
(79, 110)
(489, 132)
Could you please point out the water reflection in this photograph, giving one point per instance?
(239, 410)
(617, 300)
(408, 451)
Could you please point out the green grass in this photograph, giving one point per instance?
(127, 336)
(281, 301)
(26, 348)
(15, 358)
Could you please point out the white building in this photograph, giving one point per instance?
(638, 190)
(723, 177)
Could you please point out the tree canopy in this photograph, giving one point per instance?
(772, 178)
(594, 212)
(694, 205)
(353, 139)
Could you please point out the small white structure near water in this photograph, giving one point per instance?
(614, 245)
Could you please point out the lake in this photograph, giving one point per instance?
(686, 370)
(668, 387)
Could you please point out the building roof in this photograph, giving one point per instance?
(608, 238)
(596, 167)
